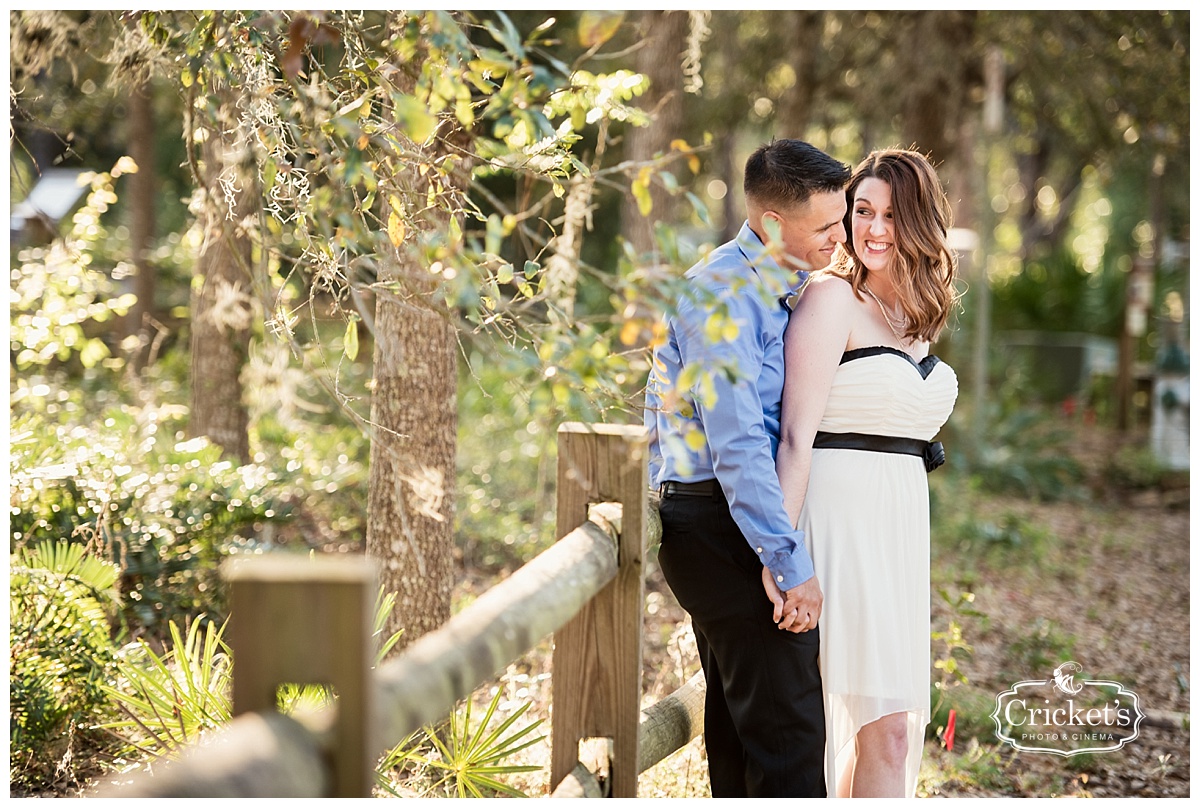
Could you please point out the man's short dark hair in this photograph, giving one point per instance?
(786, 172)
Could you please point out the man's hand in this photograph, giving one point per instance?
(797, 609)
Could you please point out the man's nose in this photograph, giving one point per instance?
(839, 234)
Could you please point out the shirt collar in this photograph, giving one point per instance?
(782, 283)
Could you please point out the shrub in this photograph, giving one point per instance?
(60, 655)
(165, 509)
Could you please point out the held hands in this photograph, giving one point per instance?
(797, 609)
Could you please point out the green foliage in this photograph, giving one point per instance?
(1056, 294)
(58, 290)
(950, 647)
(972, 706)
(60, 653)
(1135, 468)
(1039, 648)
(978, 767)
(1025, 453)
(169, 699)
(167, 509)
(999, 539)
(471, 759)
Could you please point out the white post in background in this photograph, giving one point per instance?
(993, 121)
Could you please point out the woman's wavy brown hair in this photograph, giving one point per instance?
(924, 266)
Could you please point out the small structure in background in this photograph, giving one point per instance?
(35, 219)
(1170, 419)
(1062, 366)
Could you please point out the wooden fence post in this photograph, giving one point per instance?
(308, 621)
(597, 659)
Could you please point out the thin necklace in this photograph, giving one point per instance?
(887, 318)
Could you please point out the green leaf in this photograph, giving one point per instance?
(414, 117)
(495, 234)
(93, 351)
(700, 208)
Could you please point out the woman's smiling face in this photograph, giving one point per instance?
(872, 223)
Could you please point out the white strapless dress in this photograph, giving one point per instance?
(866, 523)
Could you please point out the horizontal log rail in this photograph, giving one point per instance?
(425, 682)
(667, 726)
(585, 590)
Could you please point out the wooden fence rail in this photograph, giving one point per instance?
(298, 620)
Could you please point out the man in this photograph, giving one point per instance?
(729, 553)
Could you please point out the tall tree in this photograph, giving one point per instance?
(221, 305)
(936, 53)
(143, 187)
(414, 400)
(806, 30)
(664, 36)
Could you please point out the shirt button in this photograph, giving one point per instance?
(779, 578)
(760, 549)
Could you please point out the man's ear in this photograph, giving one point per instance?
(772, 224)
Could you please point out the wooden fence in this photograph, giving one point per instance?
(299, 620)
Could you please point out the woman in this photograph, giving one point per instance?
(862, 398)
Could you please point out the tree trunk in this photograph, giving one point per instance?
(142, 218)
(660, 59)
(414, 417)
(221, 295)
(936, 58)
(410, 498)
(795, 111)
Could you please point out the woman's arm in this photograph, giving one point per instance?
(817, 335)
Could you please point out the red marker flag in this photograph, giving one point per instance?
(948, 736)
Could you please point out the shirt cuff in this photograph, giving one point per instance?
(789, 569)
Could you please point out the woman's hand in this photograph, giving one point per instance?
(798, 609)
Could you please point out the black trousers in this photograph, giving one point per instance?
(764, 715)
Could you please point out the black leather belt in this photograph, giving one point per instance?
(704, 488)
(933, 453)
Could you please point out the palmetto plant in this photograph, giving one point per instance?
(168, 699)
(470, 759)
(60, 651)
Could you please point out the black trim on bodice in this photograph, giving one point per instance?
(924, 367)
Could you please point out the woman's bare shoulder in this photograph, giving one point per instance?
(828, 288)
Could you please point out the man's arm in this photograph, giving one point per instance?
(738, 441)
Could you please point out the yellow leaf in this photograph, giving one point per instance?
(350, 341)
(395, 229)
(729, 332)
(641, 192)
(597, 27)
(630, 332)
(695, 440)
(658, 334)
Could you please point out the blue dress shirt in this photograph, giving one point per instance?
(725, 343)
